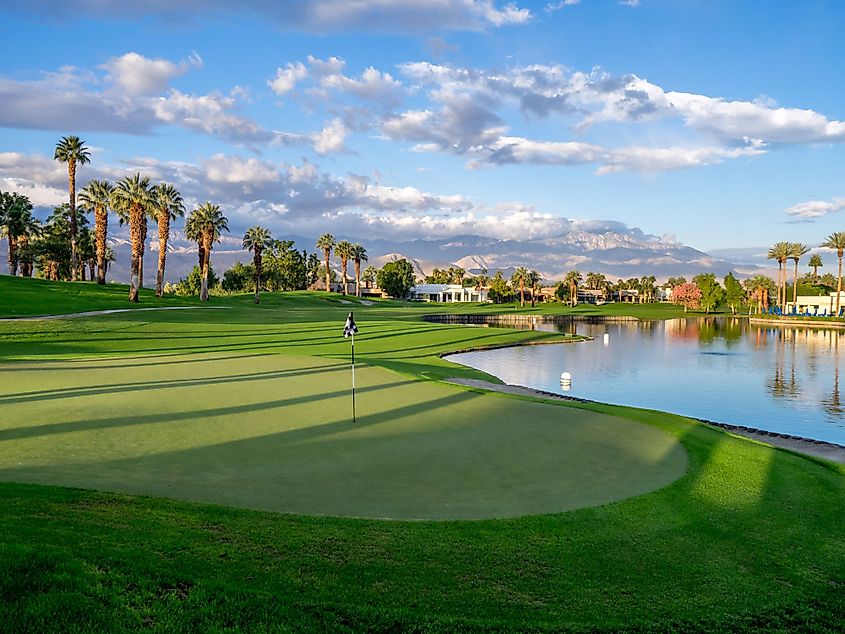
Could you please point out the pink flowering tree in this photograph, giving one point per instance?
(687, 295)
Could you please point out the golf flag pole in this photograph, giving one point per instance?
(349, 330)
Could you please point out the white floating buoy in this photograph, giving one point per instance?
(565, 377)
(606, 337)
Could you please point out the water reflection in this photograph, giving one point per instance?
(718, 368)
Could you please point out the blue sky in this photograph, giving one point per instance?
(718, 124)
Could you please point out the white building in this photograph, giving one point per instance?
(447, 293)
(817, 304)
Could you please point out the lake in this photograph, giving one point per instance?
(723, 369)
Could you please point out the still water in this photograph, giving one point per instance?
(783, 380)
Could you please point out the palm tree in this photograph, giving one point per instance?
(96, 197)
(326, 242)
(359, 254)
(167, 205)
(343, 250)
(131, 200)
(520, 276)
(72, 150)
(18, 224)
(256, 240)
(533, 279)
(814, 263)
(796, 252)
(573, 279)
(369, 276)
(780, 252)
(837, 241)
(204, 225)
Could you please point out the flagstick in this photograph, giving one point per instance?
(353, 377)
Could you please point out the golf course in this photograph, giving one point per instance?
(198, 469)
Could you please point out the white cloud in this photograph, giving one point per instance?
(287, 77)
(331, 138)
(551, 7)
(816, 208)
(139, 75)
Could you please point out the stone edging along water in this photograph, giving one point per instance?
(808, 323)
(809, 446)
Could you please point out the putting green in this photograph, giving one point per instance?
(274, 432)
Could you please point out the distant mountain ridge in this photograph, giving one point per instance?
(613, 253)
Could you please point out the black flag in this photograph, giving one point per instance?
(350, 328)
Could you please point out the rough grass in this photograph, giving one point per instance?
(749, 539)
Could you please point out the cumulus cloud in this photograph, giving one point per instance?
(320, 16)
(139, 75)
(812, 209)
(287, 77)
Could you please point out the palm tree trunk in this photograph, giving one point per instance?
(92, 269)
(521, 292)
(343, 266)
(257, 262)
(101, 221)
(13, 258)
(135, 226)
(357, 278)
(328, 274)
(839, 282)
(163, 235)
(71, 189)
(143, 250)
(795, 286)
(206, 248)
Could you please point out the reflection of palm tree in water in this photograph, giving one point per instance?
(779, 385)
(833, 405)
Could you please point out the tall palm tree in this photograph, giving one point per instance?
(796, 252)
(837, 241)
(573, 279)
(533, 279)
(131, 200)
(520, 275)
(780, 252)
(343, 250)
(96, 197)
(72, 150)
(814, 263)
(326, 242)
(204, 225)
(167, 205)
(359, 254)
(256, 240)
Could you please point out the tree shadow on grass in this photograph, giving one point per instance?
(172, 417)
(114, 388)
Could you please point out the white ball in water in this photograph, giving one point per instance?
(565, 377)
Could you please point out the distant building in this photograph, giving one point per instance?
(447, 293)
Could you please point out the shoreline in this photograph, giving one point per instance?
(807, 446)
(806, 323)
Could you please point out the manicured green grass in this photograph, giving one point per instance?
(749, 538)
(21, 297)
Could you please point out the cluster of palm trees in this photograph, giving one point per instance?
(782, 252)
(345, 251)
(136, 202)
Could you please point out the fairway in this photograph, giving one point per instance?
(273, 432)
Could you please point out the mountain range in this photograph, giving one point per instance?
(614, 253)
